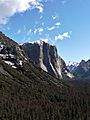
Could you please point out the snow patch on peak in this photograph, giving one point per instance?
(9, 63)
(72, 63)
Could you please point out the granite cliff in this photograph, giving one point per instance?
(46, 56)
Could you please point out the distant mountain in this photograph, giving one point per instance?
(72, 65)
(45, 56)
(82, 70)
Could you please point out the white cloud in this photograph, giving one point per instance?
(38, 30)
(40, 8)
(51, 28)
(59, 37)
(62, 36)
(9, 8)
(58, 24)
(54, 27)
(66, 35)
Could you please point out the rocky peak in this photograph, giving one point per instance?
(10, 51)
(82, 70)
(72, 65)
(46, 56)
(82, 63)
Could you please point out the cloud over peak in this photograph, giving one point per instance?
(63, 36)
(10, 7)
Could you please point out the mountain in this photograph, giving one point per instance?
(46, 57)
(29, 93)
(72, 65)
(82, 70)
(10, 52)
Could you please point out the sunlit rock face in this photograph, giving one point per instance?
(45, 56)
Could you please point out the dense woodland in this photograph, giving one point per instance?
(35, 95)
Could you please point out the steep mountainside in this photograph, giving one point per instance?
(82, 70)
(29, 93)
(10, 52)
(45, 56)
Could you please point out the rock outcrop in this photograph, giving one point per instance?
(45, 56)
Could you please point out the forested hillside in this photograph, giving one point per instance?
(35, 95)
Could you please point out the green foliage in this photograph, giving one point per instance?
(35, 95)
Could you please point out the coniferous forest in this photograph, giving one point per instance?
(35, 95)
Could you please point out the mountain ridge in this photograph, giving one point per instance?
(82, 70)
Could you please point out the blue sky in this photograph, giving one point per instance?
(64, 23)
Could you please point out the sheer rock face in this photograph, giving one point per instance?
(45, 56)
